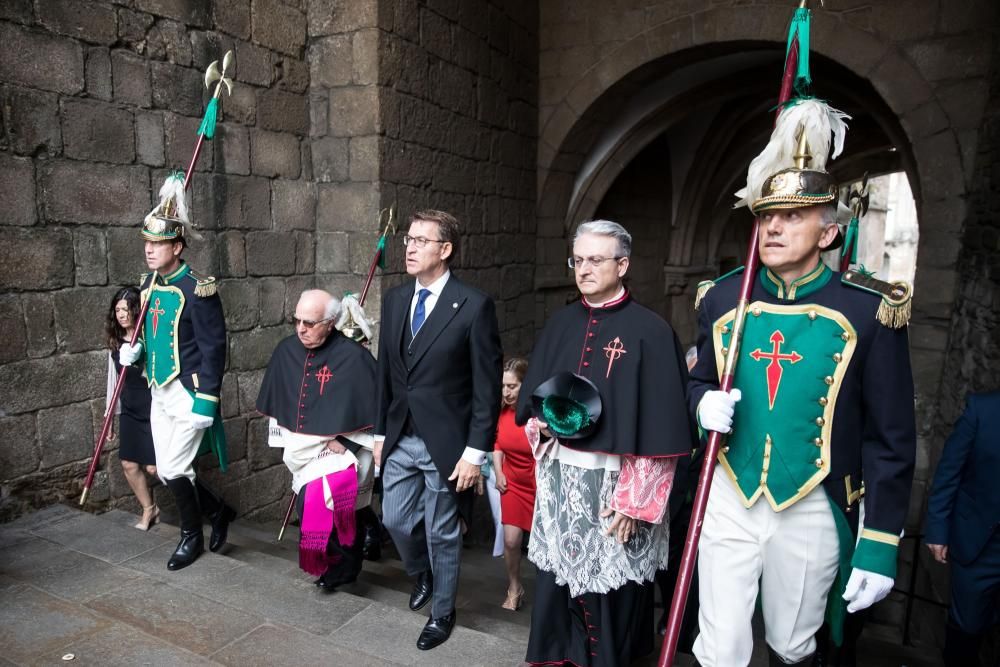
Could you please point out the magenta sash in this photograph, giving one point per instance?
(318, 521)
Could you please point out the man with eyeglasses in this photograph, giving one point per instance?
(439, 372)
(319, 395)
(599, 532)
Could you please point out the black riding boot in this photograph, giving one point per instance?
(192, 541)
(775, 661)
(371, 528)
(961, 649)
(218, 512)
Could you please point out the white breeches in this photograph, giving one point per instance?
(792, 555)
(175, 440)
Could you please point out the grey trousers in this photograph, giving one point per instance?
(421, 515)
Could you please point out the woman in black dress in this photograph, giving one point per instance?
(136, 447)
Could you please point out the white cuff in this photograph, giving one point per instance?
(476, 457)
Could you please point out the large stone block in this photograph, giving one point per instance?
(232, 255)
(328, 18)
(19, 455)
(305, 252)
(331, 159)
(97, 131)
(232, 149)
(241, 106)
(80, 318)
(346, 206)
(333, 252)
(232, 16)
(17, 191)
(180, 135)
(32, 121)
(133, 26)
(353, 111)
(365, 154)
(278, 26)
(35, 259)
(40, 60)
(131, 79)
(94, 193)
(12, 329)
(270, 254)
(53, 381)
(293, 205)
(331, 61)
(241, 299)
(39, 320)
(254, 65)
(241, 202)
(126, 262)
(90, 21)
(272, 301)
(98, 74)
(177, 89)
(149, 138)
(274, 154)
(90, 252)
(190, 12)
(283, 111)
(18, 11)
(210, 46)
(249, 350)
(248, 386)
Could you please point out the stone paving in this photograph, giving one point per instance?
(94, 588)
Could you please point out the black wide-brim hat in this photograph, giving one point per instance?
(569, 403)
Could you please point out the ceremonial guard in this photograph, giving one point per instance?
(812, 485)
(184, 346)
(319, 395)
(604, 407)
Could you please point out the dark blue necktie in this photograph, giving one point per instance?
(419, 313)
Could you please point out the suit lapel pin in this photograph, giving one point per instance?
(455, 305)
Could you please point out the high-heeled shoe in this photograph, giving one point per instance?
(150, 515)
(514, 600)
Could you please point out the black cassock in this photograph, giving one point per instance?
(325, 391)
(634, 359)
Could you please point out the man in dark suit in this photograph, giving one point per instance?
(963, 526)
(439, 372)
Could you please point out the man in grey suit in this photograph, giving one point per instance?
(439, 372)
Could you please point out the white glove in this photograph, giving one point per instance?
(200, 421)
(865, 588)
(715, 410)
(128, 353)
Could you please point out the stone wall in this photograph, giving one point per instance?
(99, 100)
(457, 90)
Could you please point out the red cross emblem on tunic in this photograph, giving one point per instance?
(613, 351)
(774, 368)
(323, 375)
(156, 311)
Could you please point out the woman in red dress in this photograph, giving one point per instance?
(515, 474)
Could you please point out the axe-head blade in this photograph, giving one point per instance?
(227, 60)
(212, 74)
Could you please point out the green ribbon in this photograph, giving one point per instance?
(380, 250)
(851, 241)
(799, 30)
(207, 126)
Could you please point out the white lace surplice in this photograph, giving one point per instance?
(568, 535)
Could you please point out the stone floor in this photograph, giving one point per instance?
(78, 588)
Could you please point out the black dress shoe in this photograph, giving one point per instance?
(422, 591)
(220, 527)
(188, 549)
(436, 632)
(335, 577)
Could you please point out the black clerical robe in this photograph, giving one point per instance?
(634, 358)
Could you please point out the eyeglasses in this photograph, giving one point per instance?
(308, 324)
(580, 262)
(419, 241)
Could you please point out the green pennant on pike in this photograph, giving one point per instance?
(799, 31)
(380, 249)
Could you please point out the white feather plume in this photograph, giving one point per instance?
(174, 187)
(824, 127)
(350, 308)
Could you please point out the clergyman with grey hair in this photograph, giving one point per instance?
(318, 394)
(603, 404)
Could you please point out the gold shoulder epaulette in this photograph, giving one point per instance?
(205, 286)
(896, 307)
(706, 285)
